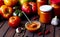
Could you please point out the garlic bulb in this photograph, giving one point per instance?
(55, 21)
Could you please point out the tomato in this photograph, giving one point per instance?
(30, 7)
(6, 11)
(14, 21)
(1, 2)
(0, 11)
(10, 2)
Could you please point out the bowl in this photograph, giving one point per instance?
(33, 26)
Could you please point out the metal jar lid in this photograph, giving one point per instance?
(45, 8)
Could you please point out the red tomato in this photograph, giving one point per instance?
(0, 11)
(14, 21)
(29, 7)
(1, 2)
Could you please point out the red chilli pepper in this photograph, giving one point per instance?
(46, 32)
(34, 18)
(39, 33)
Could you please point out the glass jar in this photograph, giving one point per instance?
(46, 13)
(40, 3)
(56, 5)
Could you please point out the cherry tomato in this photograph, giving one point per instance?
(14, 21)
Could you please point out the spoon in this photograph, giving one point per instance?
(27, 17)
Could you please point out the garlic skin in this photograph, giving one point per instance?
(55, 21)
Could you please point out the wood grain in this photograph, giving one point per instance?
(28, 34)
(4, 29)
(10, 32)
(1, 24)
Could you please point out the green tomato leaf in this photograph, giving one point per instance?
(18, 13)
(14, 14)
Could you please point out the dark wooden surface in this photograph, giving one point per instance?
(6, 31)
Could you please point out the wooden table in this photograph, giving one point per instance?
(6, 31)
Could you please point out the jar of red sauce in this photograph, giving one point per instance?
(56, 5)
(45, 14)
(40, 3)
